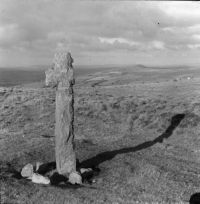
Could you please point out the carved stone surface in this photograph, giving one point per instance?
(62, 76)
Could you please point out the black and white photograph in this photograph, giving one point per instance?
(99, 102)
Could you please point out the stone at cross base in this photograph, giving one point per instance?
(61, 76)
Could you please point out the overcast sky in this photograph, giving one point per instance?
(99, 32)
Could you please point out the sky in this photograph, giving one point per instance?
(99, 32)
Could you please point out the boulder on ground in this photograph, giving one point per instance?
(75, 178)
(37, 178)
(27, 171)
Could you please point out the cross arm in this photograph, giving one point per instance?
(51, 77)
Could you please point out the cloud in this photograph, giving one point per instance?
(158, 45)
(97, 29)
(118, 40)
(194, 46)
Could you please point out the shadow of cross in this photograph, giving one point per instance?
(108, 155)
(104, 156)
(61, 76)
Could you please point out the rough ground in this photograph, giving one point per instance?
(139, 125)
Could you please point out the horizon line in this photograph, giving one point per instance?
(42, 66)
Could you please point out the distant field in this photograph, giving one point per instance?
(18, 76)
(13, 77)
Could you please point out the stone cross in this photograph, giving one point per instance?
(61, 76)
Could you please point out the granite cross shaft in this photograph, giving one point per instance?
(61, 76)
